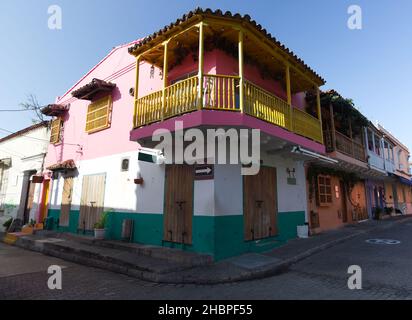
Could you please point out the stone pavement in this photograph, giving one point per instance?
(386, 274)
(130, 261)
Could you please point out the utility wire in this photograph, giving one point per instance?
(39, 139)
(17, 110)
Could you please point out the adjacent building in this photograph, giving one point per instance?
(336, 192)
(21, 165)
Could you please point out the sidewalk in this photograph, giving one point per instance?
(165, 265)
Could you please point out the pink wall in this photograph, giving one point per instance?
(119, 68)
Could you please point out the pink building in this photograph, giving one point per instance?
(207, 70)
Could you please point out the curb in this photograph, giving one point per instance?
(283, 266)
(173, 278)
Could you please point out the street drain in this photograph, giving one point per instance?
(383, 241)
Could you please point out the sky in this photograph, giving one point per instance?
(372, 66)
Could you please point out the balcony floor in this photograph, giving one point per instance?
(215, 118)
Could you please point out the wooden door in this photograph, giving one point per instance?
(177, 226)
(44, 200)
(92, 200)
(66, 202)
(29, 201)
(260, 204)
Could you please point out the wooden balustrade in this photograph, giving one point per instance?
(221, 92)
(345, 145)
(263, 105)
(181, 97)
(306, 125)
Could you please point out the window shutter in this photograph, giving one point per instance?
(55, 130)
(98, 115)
(324, 190)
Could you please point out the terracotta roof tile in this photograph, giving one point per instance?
(227, 14)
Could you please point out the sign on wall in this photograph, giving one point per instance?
(204, 171)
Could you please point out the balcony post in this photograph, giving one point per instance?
(201, 63)
(136, 92)
(289, 96)
(165, 67)
(319, 111)
(351, 137)
(241, 79)
(332, 122)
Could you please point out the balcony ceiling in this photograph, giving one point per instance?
(221, 30)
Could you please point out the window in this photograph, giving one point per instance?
(125, 164)
(370, 140)
(386, 150)
(98, 115)
(56, 128)
(377, 145)
(324, 190)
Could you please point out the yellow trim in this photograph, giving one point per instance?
(319, 111)
(55, 131)
(165, 67)
(289, 96)
(136, 90)
(107, 105)
(241, 76)
(201, 64)
(182, 97)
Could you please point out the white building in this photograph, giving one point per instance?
(21, 157)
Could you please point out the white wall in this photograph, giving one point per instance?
(221, 196)
(26, 152)
(121, 193)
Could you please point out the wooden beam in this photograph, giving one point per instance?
(165, 67)
(201, 63)
(136, 91)
(289, 96)
(332, 122)
(241, 76)
(319, 111)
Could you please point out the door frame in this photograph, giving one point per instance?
(69, 205)
(276, 205)
(164, 205)
(103, 194)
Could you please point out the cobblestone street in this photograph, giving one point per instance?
(386, 271)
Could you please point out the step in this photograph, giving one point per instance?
(12, 237)
(169, 254)
(142, 267)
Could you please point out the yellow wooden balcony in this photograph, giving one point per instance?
(221, 92)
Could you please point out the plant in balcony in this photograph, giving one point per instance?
(100, 226)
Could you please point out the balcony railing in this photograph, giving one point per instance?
(345, 145)
(221, 92)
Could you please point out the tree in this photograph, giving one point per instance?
(32, 104)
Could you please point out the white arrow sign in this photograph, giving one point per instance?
(205, 170)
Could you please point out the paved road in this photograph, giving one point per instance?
(387, 274)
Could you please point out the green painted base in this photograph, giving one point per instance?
(219, 236)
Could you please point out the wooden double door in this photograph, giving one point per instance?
(66, 201)
(260, 204)
(177, 223)
(92, 200)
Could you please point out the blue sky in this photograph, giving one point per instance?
(372, 66)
